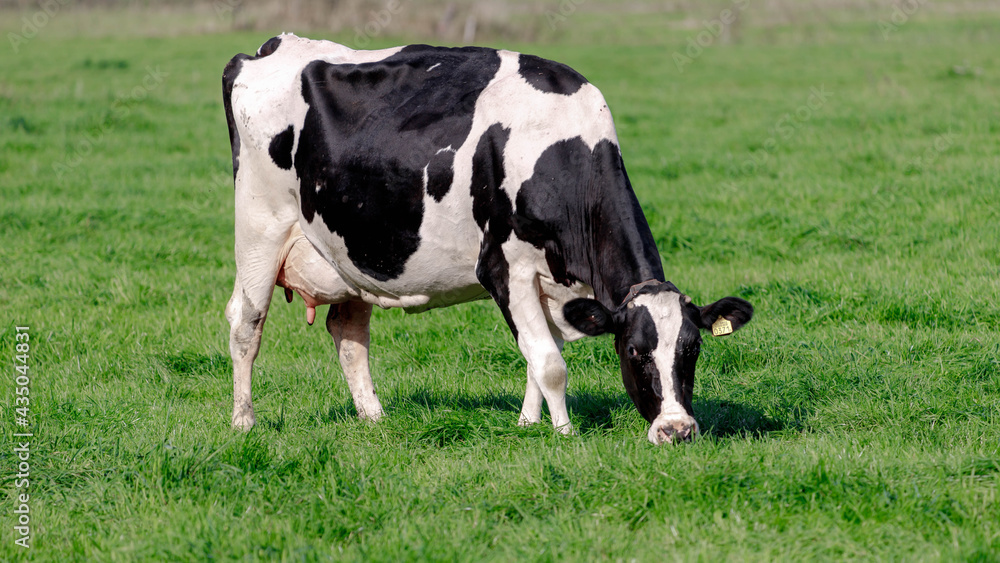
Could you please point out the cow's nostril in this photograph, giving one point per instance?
(665, 434)
(672, 431)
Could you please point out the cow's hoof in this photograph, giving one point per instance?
(525, 421)
(243, 421)
(371, 414)
(566, 429)
(374, 417)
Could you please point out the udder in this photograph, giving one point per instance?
(307, 273)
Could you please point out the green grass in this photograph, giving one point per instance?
(856, 417)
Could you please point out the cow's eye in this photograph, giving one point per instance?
(632, 352)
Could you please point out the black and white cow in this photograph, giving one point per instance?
(421, 177)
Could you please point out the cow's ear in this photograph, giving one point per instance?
(736, 311)
(589, 316)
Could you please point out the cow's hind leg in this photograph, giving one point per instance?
(246, 324)
(348, 324)
(246, 312)
(259, 255)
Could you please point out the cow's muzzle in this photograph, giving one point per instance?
(671, 431)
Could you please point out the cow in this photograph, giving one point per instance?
(422, 177)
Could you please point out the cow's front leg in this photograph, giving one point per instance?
(349, 324)
(515, 289)
(547, 369)
(531, 408)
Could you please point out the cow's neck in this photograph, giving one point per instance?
(623, 251)
(590, 225)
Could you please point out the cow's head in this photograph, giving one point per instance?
(658, 338)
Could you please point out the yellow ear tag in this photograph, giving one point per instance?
(722, 327)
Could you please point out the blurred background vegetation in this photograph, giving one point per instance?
(471, 21)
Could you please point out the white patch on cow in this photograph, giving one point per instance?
(446, 149)
(433, 66)
(426, 178)
(666, 310)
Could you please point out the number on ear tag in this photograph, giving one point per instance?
(722, 327)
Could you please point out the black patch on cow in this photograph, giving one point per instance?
(440, 174)
(371, 131)
(229, 75)
(493, 212)
(269, 47)
(686, 357)
(493, 273)
(490, 204)
(579, 207)
(639, 372)
(281, 148)
(549, 76)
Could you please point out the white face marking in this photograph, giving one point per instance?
(666, 310)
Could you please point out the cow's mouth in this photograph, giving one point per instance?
(673, 431)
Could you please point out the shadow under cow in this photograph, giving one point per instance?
(591, 411)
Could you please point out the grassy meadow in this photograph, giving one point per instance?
(841, 175)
